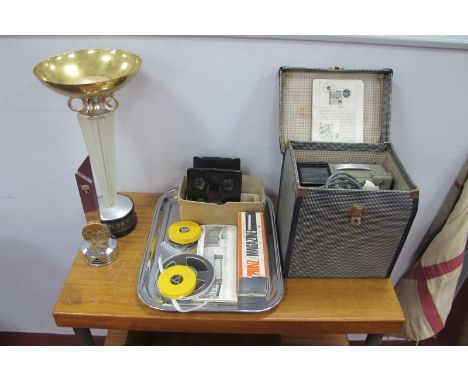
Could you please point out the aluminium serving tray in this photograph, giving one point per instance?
(166, 213)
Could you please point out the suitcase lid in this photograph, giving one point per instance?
(297, 86)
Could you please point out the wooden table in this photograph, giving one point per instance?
(106, 298)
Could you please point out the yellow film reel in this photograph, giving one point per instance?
(177, 281)
(184, 232)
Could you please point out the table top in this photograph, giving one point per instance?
(107, 298)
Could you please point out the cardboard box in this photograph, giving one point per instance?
(210, 213)
(252, 255)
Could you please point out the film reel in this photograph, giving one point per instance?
(204, 271)
(177, 281)
(184, 232)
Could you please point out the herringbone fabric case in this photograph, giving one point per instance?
(315, 233)
(332, 247)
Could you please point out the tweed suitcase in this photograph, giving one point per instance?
(340, 233)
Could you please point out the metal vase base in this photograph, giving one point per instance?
(121, 218)
(99, 257)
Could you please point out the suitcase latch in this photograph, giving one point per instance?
(356, 213)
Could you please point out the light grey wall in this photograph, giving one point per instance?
(193, 95)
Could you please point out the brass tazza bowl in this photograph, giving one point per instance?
(88, 73)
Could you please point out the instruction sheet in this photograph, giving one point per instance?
(338, 111)
(218, 243)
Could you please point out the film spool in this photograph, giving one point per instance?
(202, 268)
(184, 232)
(177, 281)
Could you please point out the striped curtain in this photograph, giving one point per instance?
(426, 292)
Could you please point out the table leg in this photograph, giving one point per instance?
(373, 339)
(84, 337)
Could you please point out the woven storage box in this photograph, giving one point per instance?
(315, 230)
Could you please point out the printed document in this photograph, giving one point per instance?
(218, 243)
(337, 111)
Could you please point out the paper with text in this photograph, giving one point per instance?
(337, 111)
